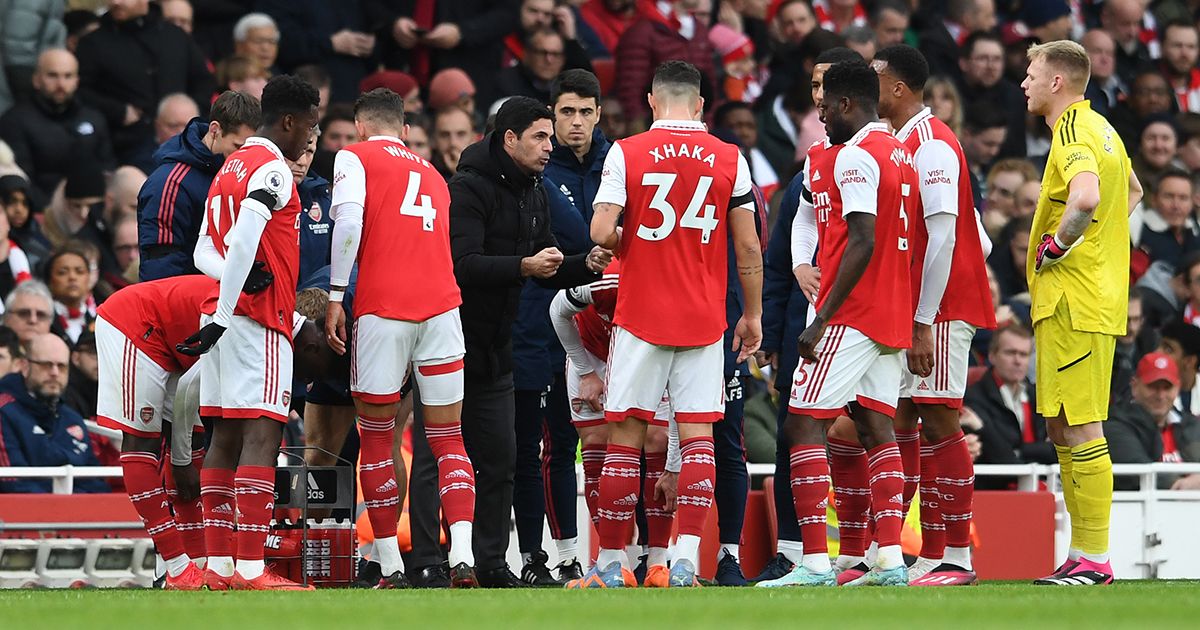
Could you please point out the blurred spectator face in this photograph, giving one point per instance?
(619, 6)
(756, 9)
(46, 369)
(16, 208)
(1027, 198)
(125, 10)
(179, 13)
(1123, 21)
(173, 116)
(1158, 144)
(985, 65)
(122, 193)
(452, 132)
(339, 134)
(1134, 319)
(531, 149)
(890, 27)
(575, 117)
(795, 21)
(85, 360)
(1181, 48)
(57, 77)
(78, 208)
(983, 18)
(8, 363)
(1102, 51)
(864, 47)
(252, 85)
(1150, 95)
(29, 316)
(1010, 359)
(1189, 153)
(1002, 192)
(546, 56)
(68, 279)
(300, 167)
(125, 244)
(537, 14)
(942, 103)
(1157, 396)
(1173, 200)
(981, 147)
(1019, 248)
(413, 103)
(417, 141)
(226, 142)
(612, 119)
(741, 122)
(262, 45)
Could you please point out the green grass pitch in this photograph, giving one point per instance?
(1152, 605)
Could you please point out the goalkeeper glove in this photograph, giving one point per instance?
(258, 279)
(202, 341)
(1050, 251)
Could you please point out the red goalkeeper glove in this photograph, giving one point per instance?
(1049, 251)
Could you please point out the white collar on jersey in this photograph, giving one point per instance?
(904, 132)
(389, 138)
(261, 141)
(680, 125)
(862, 133)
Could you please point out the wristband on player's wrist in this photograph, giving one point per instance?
(337, 295)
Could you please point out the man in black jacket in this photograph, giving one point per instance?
(53, 130)
(1013, 432)
(499, 236)
(129, 64)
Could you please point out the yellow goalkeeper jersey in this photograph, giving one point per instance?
(1094, 276)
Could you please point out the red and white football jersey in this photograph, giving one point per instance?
(158, 314)
(677, 184)
(259, 165)
(871, 173)
(405, 271)
(595, 322)
(944, 188)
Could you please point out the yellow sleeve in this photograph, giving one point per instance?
(1076, 158)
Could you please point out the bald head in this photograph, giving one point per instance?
(121, 195)
(1102, 51)
(46, 370)
(174, 112)
(1123, 20)
(57, 76)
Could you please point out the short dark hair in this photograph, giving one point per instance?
(676, 76)
(1176, 23)
(382, 105)
(528, 38)
(837, 54)
(1190, 260)
(336, 112)
(315, 74)
(575, 81)
(1173, 171)
(518, 113)
(907, 64)
(1017, 329)
(727, 108)
(895, 6)
(1185, 334)
(983, 115)
(854, 80)
(234, 110)
(10, 341)
(968, 46)
(287, 94)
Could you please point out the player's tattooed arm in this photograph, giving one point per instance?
(1082, 200)
(604, 229)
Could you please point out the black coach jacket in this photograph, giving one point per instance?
(498, 215)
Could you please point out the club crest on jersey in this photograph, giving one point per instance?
(76, 432)
(146, 414)
(314, 212)
(287, 398)
(696, 152)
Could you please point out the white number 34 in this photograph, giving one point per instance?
(693, 217)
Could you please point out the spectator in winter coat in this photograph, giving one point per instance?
(656, 37)
(36, 428)
(30, 26)
(1147, 429)
(172, 202)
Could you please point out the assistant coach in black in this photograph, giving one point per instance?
(499, 236)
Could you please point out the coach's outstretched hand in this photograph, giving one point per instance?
(202, 341)
(259, 278)
(747, 337)
(335, 327)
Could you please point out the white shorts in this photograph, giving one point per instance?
(851, 367)
(382, 350)
(948, 382)
(639, 372)
(583, 416)
(247, 374)
(134, 392)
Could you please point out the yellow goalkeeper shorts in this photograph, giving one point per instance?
(1074, 369)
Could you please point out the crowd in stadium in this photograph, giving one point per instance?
(115, 116)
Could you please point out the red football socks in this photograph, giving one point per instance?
(255, 487)
(377, 474)
(220, 511)
(658, 519)
(887, 492)
(956, 485)
(909, 443)
(696, 484)
(456, 475)
(144, 486)
(619, 482)
(810, 491)
(933, 530)
(593, 463)
(851, 495)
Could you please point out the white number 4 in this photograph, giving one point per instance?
(692, 217)
(409, 206)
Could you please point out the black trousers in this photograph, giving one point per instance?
(545, 473)
(491, 443)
